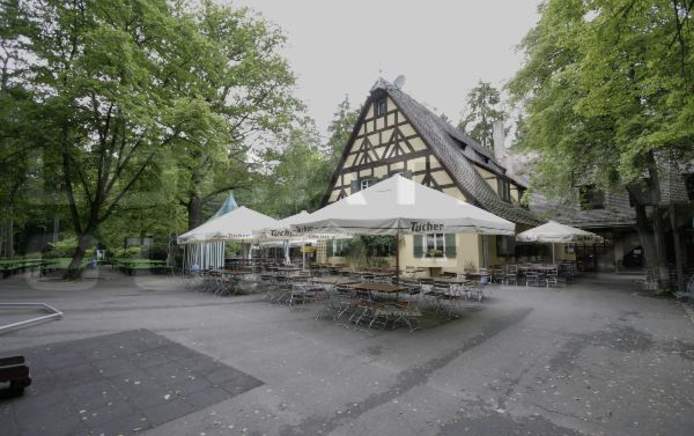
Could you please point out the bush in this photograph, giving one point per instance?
(357, 255)
(159, 250)
(63, 248)
(132, 252)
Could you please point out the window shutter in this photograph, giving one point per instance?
(418, 251)
(354, 186)
(450, 244)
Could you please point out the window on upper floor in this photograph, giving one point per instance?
(591, 198)
(359, 184)
(380, 107)
(504, 189)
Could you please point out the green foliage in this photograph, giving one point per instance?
(132, 252)
(606, 84)
(378, 246)
(296, 177)
(66, 248)
(357, 256)
(481, 113)
(340, 130)
(63, 248)
(249, 85)
(135, 110)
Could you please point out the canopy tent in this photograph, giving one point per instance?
(399, 205)
(286, 244)
(226, 207)
(282, 233)
(553, 232)
(204, 245)
(241, 223)
(281, 229)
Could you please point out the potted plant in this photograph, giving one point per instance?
(435, 253)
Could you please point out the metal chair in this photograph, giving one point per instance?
(511, 275)
(532, 278)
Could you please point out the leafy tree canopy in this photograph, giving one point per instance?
(607, 85)
(482, 110)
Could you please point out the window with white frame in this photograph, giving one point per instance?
(380, 107)
(435, 245)
(365, 183)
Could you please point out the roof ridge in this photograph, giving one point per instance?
(452, 130)
(437, 133)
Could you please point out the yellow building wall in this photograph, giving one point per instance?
(407, 257)
(467, 255)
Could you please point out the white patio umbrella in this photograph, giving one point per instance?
(398, 205)
(207, 241)
(240, 224)
(553, 232)
(282, 231)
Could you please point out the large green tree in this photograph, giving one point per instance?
(608, 93)
(295, 175)
(481, 112)
(20, 140)
(124, 86)
(249, 84)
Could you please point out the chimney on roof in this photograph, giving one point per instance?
(499, 139)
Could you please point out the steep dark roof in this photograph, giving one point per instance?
(457, 153)
(616, 213)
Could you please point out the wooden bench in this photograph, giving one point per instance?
(14, 370)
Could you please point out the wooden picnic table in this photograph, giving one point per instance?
(238, 273)
(333, 280)
(453, 280)
(287, 268)
(377, 273)
(537, 267)
(386, 288)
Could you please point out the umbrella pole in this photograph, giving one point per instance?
(554, 262)
(397, 256)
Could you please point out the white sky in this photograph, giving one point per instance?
(443, 47)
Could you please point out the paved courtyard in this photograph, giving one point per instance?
(599, 357)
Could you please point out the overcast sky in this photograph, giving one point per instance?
(443, 47)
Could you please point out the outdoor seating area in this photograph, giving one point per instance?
(371, 298)
(534, 274)
(354, 293)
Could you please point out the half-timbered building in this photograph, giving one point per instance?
(396, 134)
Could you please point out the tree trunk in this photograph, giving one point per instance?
(662, 271)
(10, 236)
(74, 269)
(659, 265)
(645, 231)
(56, 228)
(194, 212)
(680, 284)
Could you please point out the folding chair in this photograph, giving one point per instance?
(532, 278)
(511, 275)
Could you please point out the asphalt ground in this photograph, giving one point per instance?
(597, 357)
